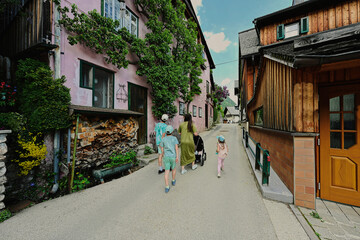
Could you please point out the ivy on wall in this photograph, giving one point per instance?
(169, 55)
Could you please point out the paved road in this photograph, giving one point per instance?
(200, 206)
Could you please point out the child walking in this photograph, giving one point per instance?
(222, 152)
(170, 155)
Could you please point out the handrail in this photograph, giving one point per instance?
(265, 156)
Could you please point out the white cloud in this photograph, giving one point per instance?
(197, 4)
(225, 82)
(217, 41)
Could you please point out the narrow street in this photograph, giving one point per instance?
(200, 206)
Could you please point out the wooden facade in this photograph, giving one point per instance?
(336, 16)
(32, 26)
(297, 80)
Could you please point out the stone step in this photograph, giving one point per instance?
(146, 159)
(141, 149)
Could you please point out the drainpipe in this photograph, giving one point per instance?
(57, 72)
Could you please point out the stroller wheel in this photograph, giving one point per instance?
(203, 158)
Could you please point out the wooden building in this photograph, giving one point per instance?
(300, 87)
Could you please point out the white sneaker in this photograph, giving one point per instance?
(194, 167)
(219, 175)
(183, 171)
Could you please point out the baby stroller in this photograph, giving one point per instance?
(200, 154)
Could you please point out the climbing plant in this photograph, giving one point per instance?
(43, 100)
(169, 55)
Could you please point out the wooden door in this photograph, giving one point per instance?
(340, 144)
(138, 103)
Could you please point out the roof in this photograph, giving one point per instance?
(249, 43)
(101, 111)
(232, 110)
(330, 46)
(295, 10)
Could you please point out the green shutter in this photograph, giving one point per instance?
(304, 25)
(280, 32)
(102, 8)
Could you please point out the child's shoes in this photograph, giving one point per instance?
(219, 175)
(173, 182)
(167, 189)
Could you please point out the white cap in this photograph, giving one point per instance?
(164, 117)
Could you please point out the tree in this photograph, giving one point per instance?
(220, 94)
(169, 56)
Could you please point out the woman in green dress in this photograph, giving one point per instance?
(187, 131)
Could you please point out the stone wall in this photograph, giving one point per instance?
(98, 138)
(3, 151)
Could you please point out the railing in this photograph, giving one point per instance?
(262, 156)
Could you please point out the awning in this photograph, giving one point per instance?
(96, 111)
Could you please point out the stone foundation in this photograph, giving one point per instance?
(3, 151)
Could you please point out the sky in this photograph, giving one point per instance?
(221, 21)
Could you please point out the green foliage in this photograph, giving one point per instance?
(148, 150)
(98, 33)
(7, 95)
(40, 188)
(4, 214)
(169, 56)
(11, 121)
(315, 215)
(215, 115)
(43, 100)
(80, 182)
(120, 159)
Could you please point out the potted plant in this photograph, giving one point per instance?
(119, 162)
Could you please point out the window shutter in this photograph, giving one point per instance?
(304, 25)
(280, 32)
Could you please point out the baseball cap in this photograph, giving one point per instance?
(164, 117)
(169, 129)
(221, 138)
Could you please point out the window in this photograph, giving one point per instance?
(194, 111)
(258, 116)
(293, 29)
(200, 112)
(100, 81)
(129, 20)
(207, 87)
(181, 108)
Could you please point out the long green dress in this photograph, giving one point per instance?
(187, 144)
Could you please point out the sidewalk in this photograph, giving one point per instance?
(330, 220)
(333, 220)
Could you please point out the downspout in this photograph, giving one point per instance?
(57, 72)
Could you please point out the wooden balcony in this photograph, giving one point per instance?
(26, 29)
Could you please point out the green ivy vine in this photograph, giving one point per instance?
(169, 56)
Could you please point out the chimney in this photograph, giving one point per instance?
(295, 2)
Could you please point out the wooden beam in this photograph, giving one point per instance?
(340, 65)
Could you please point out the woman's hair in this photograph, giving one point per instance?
(221, 141)
(188, 119)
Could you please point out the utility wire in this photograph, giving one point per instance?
(226, 62)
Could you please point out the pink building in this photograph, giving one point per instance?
(100, 86)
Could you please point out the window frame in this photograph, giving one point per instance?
(183, 108)
(94, 67)
(303, 29)
(194, 111)
(200, 112)
(256, 112)
(121, 21)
